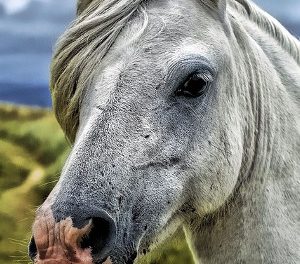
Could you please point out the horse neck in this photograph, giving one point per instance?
(261, 222)
(254, 229)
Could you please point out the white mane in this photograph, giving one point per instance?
(271, 26)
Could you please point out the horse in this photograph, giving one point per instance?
(181, 114)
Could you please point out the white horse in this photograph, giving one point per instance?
(182, 113)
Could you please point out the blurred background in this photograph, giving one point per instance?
(32, 147)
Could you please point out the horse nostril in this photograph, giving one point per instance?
(32, 250)
(101, 238)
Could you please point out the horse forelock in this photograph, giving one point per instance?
(78, 52)
(82, 47)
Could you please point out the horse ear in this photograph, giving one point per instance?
(82, 5)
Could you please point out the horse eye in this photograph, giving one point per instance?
(195, 86)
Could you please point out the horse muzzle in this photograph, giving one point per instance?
(63, 242)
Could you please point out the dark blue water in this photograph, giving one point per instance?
(25, 94)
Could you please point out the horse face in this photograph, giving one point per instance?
(157, 143)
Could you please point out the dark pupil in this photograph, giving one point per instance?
(193, 87)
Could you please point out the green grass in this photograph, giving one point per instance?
(33, 150)
(31, 142)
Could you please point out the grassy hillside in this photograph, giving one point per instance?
(32, 152)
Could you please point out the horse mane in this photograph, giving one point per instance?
(270, 25)
(82, 47)
(78, 52)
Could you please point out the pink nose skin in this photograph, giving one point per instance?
(59, 242)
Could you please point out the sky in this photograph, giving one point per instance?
(29, 29)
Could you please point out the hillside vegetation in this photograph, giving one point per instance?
(32, 152)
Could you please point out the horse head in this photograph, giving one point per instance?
(154, 97)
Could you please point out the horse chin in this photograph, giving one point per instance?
(121, 254)
(128, 253)
(121, 259)
(109, 260)
(157, 235)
